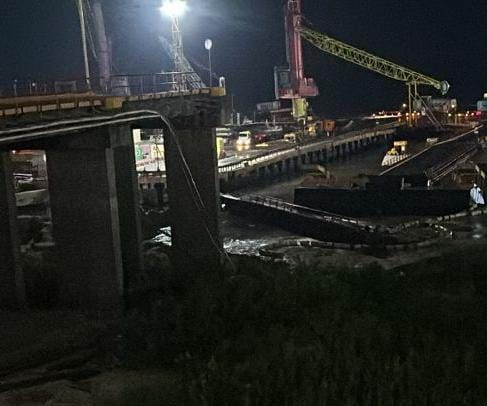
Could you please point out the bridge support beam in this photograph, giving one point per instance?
(12, 288)
(95, 218)
(195, 229)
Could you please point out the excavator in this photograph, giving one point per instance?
(291, 82)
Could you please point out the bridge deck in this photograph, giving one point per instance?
(15, 106)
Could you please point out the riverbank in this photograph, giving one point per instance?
(310, 335)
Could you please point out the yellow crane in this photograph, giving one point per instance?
(379, 65)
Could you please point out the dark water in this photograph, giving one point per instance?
(243, 236)
(247, 237)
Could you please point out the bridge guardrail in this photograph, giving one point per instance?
(387, 129)
(115, 85)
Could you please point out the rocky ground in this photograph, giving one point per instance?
(60, 358)
(116, 387)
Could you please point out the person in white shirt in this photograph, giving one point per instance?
(476, 195)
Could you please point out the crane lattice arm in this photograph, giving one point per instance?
(369, 61)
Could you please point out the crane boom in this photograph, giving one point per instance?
(370, 61)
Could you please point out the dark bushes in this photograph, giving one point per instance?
(311, 336)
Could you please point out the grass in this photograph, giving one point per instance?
(312, 336)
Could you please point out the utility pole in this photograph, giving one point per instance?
(81, 12)
(208, 46)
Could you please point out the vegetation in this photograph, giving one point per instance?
(275, 336)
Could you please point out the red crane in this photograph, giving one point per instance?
(291, 82)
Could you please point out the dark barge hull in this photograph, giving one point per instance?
(383, 202)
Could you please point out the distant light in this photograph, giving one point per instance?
(174, 8)
(208, 44)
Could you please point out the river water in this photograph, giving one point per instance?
(247, 237)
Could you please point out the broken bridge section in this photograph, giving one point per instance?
(94, 194)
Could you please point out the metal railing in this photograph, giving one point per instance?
(386, 129)
(445, 168)
(309, 212)
(116, 85)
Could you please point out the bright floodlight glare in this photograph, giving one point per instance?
(174, 8)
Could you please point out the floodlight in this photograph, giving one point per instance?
(174, 8)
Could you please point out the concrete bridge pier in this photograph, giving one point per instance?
(191, 163)
(272, 170)
(336, 154)
(288, 165)
(94, 205)
(12, 290)
(296, 163)
(328, 154)
(280, 167)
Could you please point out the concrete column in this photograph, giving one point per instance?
(12, 288)
(328, 154)
(121, 140)
(288, 165)
(271, 169)
(194, 214)
(296, 164)
(280, 167)
(93, 204)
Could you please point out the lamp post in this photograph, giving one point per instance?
(208, 46)
(175, 9)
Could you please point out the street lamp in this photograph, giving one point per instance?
(175, 9)
(208, 46)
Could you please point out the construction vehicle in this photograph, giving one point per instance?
(290, 137)
(290, 81)
(292, 84)
(396, 154)
(244, 140)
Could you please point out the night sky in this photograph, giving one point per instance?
(445, 39)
